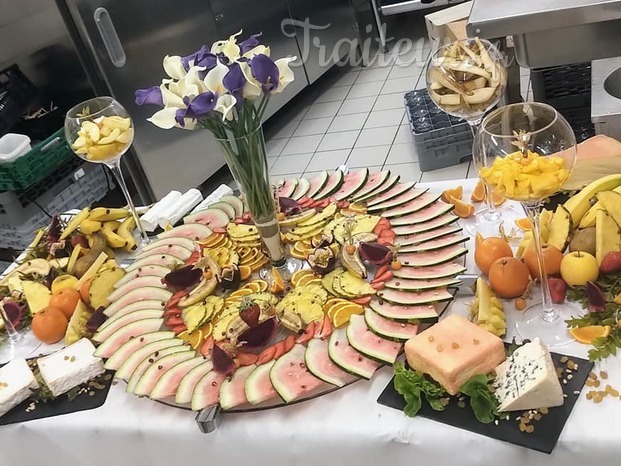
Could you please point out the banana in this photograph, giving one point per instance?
(88, 227)
(125, 231)
(103, 214)
(75, 222)
(114, 240)
(579, 204)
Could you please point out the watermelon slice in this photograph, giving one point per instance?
(168, 384)
(426, 214)
(402, 199)
(155, 370)
(321, 366)
(370, 344)
(225, 207)
(415, 299)
(139, 294)
(290, 376)
(392, 193)
(171, 249)
(434, 244)
(438, 222)
(436, 257)
(150, 270)
(347, 358)
(190, 380)
(194, 231)
(124, 334)
(389, 184)
(387, 328)
(165, 260)
(177, 241)
(317, 184)
(416, 238)
(130, 347)
(147, 362)
(354, 182)
(374, 182)
(147, 280)
(213, 218)
(404, 313)
(259, 387)
(207, 390)
(150, 350)
(111, 326)
(448, 269)
(139, 306)
(413, 206)
(233, 390)
(287, 189)
(234, 202)
(301, 189)
(335, 181)
(420, 285)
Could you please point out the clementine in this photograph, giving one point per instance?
(49, 325)
(455, 193)
(84, 290)
(462, 209)
(489, 250)
(552, 257)
(509, 277)
(66, 300)
(478, 194)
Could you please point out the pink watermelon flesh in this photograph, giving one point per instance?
(365, 195)
(412, 207)
(148, 271)
(448, 269)
(412, 298)
(301, 189)
(233, 390)
(149, 351)
(133, 345)
(321, 366)
(139, 294)
(415, 238)
(393, 192)
(335, 181)
(213, 218)
(415, 285)
(366, 342)
(122, 335)
(169, 382)
(354, 182)
(401, 199)
(290, 376)
(317, 184)
(171, 249)
(421, 216)
(190, 380)
(288, 188)
(347, 358)
(430, 225)
(438, 256)
(259, 387)
(194, 231)
(403, 313)
(165, 260)
(375, 181)
(147, 280)
(436, 243)
(387, 328)
(111, 326)
(207, 391)
(139, 306)
(157, 369)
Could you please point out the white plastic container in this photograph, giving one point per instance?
(13, 146)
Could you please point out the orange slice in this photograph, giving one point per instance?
(524, 224)
(478, 194)
(462, 209)
(588, 334)
(478, 238)
(245, 272)
(299, 275)
(455, 193)
(497, 199)
(241, 293)
(278, 285)
(194, 339)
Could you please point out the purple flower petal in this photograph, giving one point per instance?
(151, 95)
(234, 81)
(203, 57)
(249, 43)
(265, 71)
(201, 105)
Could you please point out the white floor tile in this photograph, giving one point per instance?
(410, 71)
(323, 110)
(388, 101)
(302, 145)
(333, 94)
(399, 85)
(351, 106)
(456, 172)
(348, 122)
(290, 164)
(335, 141)
(422, 82)
(404, 134)
(402, 153)
(313, 126)
(347, 79)
(368, 76)
(276, 178)
(271, 161)
(407, 171)
(381, 118)
(376, 136)
(374, 169)
(287, 130)
(329, 160)
(368, 156)
(365, 90)
(275, 146)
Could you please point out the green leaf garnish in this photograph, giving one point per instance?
(412, 385)
(482, 401)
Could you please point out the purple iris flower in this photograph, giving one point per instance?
(151, 95)
(198, 107)
(249, 43)
(265, 71)
(234, 81)
(203, 57)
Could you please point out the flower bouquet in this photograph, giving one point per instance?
(225, 89)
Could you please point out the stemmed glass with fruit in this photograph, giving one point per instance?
(525, 152)
(100, 131)
(466, 79)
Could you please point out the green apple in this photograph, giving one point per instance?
(579, 267)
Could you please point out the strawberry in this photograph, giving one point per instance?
(250, 314)
(611, 262)
(558, 289)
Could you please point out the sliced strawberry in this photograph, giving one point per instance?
(196, 255)
(289, 343)
(175, 298)
(280, 349)
(179, 328)
(308, 333)
(378, 285)
(174, 320)
(206, 347)
(327, 328)
(246, 359)
(173, 311)
(318, 328)
(382, 269)
(362, 301)
(384, 277)
(266, 355)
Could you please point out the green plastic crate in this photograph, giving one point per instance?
(37, 164)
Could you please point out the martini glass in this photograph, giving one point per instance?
(526, 152)
(466, 79)
(100, 131)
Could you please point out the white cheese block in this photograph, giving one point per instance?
(70, 367)
(16, 383)
(528, 380)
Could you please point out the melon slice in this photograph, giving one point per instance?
(139, 306)
(416, 238)
(165, 260)
(370, 344)
(390, 329)
(233, 390)
(207, 391)
(109, 327)
(404, 198)
(286, 190)
(148, 271)
(194, 231)
(335, 181)
(434, 210)
(301, 189)
(448, 269)
(259, 387)
(317, 183)
(374, 182)
(392, 193)
(347, 358)
(155, 370)
(234, 202)
(290, 376)
(405, 284)
(225, 207)
(152, 351)
(364, 195)
(177, 241)
(409, 298)
(438, 256)
(169, 381)
(213, 218)
(130, 347)
(190, 380)
(140, 282)
(442, 220)
(435, 244)
(403, 313)
(354, 182)
(133, 330)
(139, 294)
(321, 366)
(412, 207)
(171, 249)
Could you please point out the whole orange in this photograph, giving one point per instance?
(66, 300)
(84, 289)
(509, 277)
(49, 325)
(552, 257)
(489, 250)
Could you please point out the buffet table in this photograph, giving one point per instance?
(346, 427)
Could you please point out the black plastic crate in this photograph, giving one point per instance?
(580, 121)
(566, 86)
(16, 93)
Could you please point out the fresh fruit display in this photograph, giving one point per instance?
(487, 311)
(104, 138)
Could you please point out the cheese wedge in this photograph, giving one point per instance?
(16, 384)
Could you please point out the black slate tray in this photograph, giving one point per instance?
(547, 430)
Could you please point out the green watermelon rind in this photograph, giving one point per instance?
(186, 365)
(367, 190)
(457, 254)
(148, 361)
(439, 299)
(116, 360)
(234, 202)
(188, 384)
(220, 218)
(405, 209)
(388, 184)
(291, 184)
(428, 245)
(226, 399)
(363, 176)
(312, 192)
(418, 317)
(452, 273)
(392, 284)
(425, 227)
(253, 392)
(393, 203)
(301, 189)
(143, 353)
(107, 348)
(400, 188)
(296, 354)
(154, 373)
(370, 314)
(396, 221)
(340, 364)
(331, 186)
(365, 351)
(315, 370)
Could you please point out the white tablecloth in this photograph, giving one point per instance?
(347, 427)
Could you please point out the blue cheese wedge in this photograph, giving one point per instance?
(70, 367)
(16, 384)
(528, 380)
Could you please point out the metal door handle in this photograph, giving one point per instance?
(110, 37)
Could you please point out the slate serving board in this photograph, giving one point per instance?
(547, 430)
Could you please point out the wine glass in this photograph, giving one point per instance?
(466, 79)
(526, 152)
(100, 131)
(18, 343)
